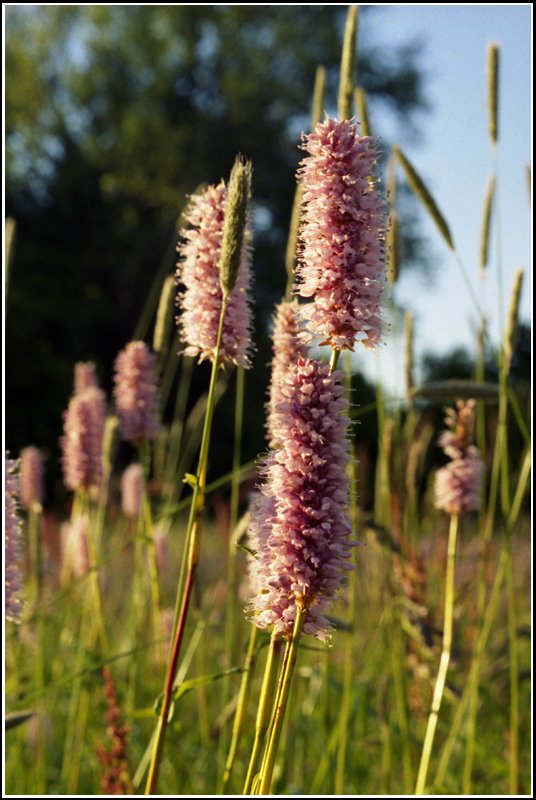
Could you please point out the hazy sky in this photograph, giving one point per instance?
(454, 156)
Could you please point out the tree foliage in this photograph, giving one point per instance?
(113, 115)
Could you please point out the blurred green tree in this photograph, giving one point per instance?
(113, 115)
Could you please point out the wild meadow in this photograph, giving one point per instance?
(317, 620)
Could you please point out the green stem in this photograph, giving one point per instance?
(94, 576)
(34, 543)
(264, 711)
(230, 611)
(396, 649)
(497, 470)
(34, 535)
(240, 713)
(469, 694)
(349, 667)
(514, 669)
(153, 568)
(445, 658)
(282, 700)
(334, 360)
(193, 537)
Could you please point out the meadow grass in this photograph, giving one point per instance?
(358, 711)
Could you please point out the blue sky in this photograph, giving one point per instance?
(454, 156)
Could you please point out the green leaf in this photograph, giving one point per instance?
(194, 683)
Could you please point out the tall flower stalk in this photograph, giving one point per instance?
(228, 257)
(457, 491)
(300, 525)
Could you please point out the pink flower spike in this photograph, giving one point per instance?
(136, 394)
(300, 524)
(13, 543)
(75, 542)
(458, 485)
(85, 376)
(341, 264)
(132, 487)
(286, 347)
(81, 443)
(32, 490)
(198, 272)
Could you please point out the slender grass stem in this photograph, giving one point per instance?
(240, 713)
(193, 537)
(396, 649)
(34, 537)
(514, 670)
(264, 710)
(487, 530)
(230, 609)
(445, 658)
(282, 700)
(99, 617)
(153, 569)
(348, 670)
(461, 716)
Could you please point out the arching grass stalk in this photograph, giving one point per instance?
(270, 755)
(193, 537)
(445, 657)
(264, 710)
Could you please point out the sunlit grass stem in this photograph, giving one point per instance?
(230, 601)
(264, 710)
(240, 713)
(281, 703)
(445, 658)
(193, 537)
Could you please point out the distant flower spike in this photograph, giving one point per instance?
(458, 485)
(85, 376)
(341, 264)
(81, 443)
(13, 543)
(136, 394)
(198, 271)
(132, 486)
(32, 490)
